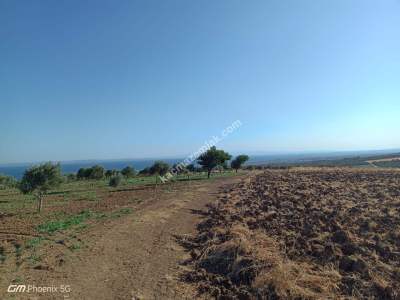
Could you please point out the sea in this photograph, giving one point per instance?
(17, 169)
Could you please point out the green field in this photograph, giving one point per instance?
(12, 201)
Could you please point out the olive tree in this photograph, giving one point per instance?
(82, 173)
(7, 181)
(213, 158)
(96, 172)
(39, 179)
(145, 171)
(159, 168)
(128, 172)
(191, 168)
(239, 161)
(108, 173)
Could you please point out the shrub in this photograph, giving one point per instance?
(115, 181)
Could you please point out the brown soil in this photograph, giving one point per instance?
(137, 256)
(302, 234)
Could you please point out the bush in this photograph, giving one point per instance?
(115, 181)
(7, 181)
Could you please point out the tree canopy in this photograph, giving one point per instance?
(145, 171)
(191, 168)
(95, 172)
(239, 161)
(40, 179)
(7, 181)
(128, 172)
(159, 168)
(212, 158)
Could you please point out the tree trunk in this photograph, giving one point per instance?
(208, 173)
(236, 170)
(40, 202)
(155, 189)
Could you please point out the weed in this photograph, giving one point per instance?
(64, 224)
(121, 212)
(34, 258)
(18, 280)
(2, 255)
(33, 243)
(75, 246)
(18, 253)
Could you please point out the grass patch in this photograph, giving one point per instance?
(13, 201)
(33, 243)
(34, 258)
(76, 221)
(51, 227)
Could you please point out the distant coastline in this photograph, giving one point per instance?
(17, 169)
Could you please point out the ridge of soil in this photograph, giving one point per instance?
(302, 234)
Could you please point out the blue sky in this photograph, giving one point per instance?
(129, 79)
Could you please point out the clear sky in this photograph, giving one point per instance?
(127, 79)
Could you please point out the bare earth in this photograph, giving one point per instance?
(137, 256)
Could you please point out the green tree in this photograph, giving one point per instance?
(128, 172)
(191, 168)
(39, 179)
(7, 181)
(108, 173)
(239, 161)
(159, 168)
(212, 158)
(82, 173)
(96, 172)
(145, 171)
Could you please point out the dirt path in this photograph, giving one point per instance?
(137, 257)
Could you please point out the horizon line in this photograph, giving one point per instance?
(177, 157)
